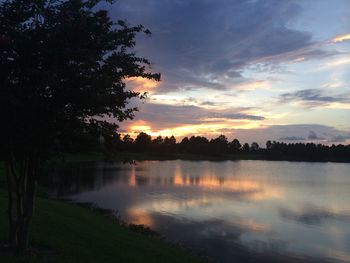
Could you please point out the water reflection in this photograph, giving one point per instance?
(315, 216)
(246, 210)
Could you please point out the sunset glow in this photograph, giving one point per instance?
(205, 129)
(175, 131)
(341, 38)
(142, 84)
(245, 78)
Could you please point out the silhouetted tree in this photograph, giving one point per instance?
(246, 147)
(219, 144)
(198, 144)
(268, 145)
(62, 69)
(235, 145)
(169, 141)
(127, 139)
(112, 142)
(185, 140)
(169, 144)
(254, 146)
(157, 143)
(184, 145)
(143, 141)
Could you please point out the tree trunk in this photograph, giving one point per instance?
(21, 182)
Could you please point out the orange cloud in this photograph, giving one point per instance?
(340, 38)
(141, 84)
(338, 62)
(210, 129)
(254, 85)
(137, 126)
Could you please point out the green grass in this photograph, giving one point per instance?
(76, 234)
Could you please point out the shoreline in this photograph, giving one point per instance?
(74, 233)
(155, 156)
(141, 229)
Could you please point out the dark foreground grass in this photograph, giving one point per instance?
(70, 233)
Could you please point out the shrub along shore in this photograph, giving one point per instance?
(63, 232)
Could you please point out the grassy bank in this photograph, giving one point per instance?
(75, 234)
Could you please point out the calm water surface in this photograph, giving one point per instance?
(253, 211)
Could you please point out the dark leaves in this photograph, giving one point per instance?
(62, 68)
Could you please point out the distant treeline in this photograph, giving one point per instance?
(221, 148)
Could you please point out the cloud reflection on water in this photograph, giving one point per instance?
(277, 211)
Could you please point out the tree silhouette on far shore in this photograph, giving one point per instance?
(220, 147)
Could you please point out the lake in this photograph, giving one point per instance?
(249, 211)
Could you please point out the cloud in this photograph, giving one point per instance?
(162, 116)
(340, 38)
(233, 47)
(313, 136)
(313, 97)
(292, 138)
(314, 216)
(139, 84)
(311, 52)
(339, 138)
(340, 62)
(292, 133)
(241, 116)
(194, 120)
(211, 42)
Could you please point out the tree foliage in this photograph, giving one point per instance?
(221, 148)
(62, 71)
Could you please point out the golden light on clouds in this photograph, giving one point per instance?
(136, 127)
(142, 84)
(254, 85)
(320, 105)
(212, 129)
(337, 105)
(341, 38)
(299, 59)
(338, 62)
(139, 128)
(334, 83)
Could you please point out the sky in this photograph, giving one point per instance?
(252, 70)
